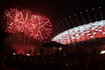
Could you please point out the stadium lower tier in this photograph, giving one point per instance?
(82, 62)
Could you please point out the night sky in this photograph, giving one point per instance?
(56, 10)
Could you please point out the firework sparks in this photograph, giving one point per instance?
(23, 21)
(82, 33)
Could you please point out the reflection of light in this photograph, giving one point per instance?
(56, 48)
(67, 64)
(102, 52)
(14, 53)
(60, 48)
(28, 54)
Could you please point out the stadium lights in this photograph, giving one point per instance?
(102, 52)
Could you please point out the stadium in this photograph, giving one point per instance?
(57, 35)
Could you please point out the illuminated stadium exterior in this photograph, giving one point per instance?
(82, 33)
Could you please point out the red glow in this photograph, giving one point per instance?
(32, 25)
(25, 49)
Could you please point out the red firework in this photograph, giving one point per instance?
(32, 25)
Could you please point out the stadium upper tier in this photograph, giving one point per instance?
(81, 33)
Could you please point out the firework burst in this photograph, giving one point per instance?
(23, 21)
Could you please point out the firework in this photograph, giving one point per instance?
(82, 33)
(23, 21)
